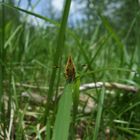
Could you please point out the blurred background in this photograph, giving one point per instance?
(103, 38)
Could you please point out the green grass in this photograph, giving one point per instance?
(37, 103)
(99, 114)
(58, 52)
(63, 117)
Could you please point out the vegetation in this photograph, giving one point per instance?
(37, 102)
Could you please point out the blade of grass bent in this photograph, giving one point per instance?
(63, 118)
(13, 35)
(109, 28)
(31, 13)
(53, 22)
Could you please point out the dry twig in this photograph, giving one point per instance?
(87, 86)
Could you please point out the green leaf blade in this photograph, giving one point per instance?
(63, 117)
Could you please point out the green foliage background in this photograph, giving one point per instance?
(106, 42)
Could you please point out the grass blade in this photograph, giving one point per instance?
(31, 13)
(76, 94)
(58, 53)
(2, 40)
(63, 118)
(2, 57)
(99, 114)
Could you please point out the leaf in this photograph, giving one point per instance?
(63, 117)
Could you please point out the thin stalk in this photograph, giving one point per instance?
(58, 54)
(2, 110)
(1, 58)
(99, 114)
